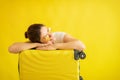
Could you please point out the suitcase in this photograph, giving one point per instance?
(49, 65)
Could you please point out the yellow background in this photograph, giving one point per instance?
(96, 23)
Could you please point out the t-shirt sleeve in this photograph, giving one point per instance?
(59, 36)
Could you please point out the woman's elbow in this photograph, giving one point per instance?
(80, 46)
(12, 49)
(83, 46)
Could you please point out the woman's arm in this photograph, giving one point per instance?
(68, 43)
(78, 45)
(20, 46)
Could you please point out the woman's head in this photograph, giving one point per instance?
(33, 32)
(38, 33)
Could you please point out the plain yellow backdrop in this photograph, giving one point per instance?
(95, 22)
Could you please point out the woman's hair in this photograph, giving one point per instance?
(33, 32)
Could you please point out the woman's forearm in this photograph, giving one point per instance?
(20, 46)
(71, 45)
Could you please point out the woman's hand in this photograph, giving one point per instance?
(44, 44)
(47, 47)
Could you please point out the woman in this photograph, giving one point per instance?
(40, 38)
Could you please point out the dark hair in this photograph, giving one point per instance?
(33, 32)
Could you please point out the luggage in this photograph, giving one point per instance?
(49, 65)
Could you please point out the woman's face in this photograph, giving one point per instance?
(46, 36)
